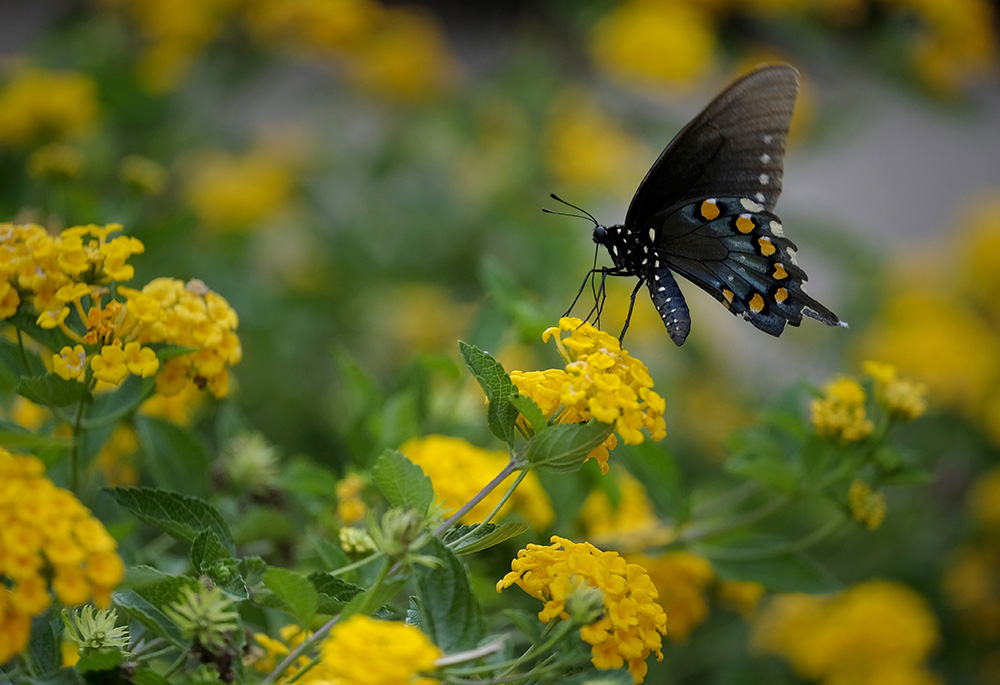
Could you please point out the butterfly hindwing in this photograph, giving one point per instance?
(737, 251)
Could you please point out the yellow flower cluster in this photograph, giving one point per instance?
(359, 651)
(231, 192)
(840, 414)
(905, 399)
(351, 507)
(458, 470)
(632, 525)
(191, 315)
(45, 106)
(873, 633)
(867, 506)
(683, 579)
(632, 623)
(671, 43)
(601, 381)
(48, 542)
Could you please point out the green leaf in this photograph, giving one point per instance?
(178, 459)
(565, 446)
(52, 338)
(149, 615)
(334, 592)
(51, 390)
(43, 645)
(618, 676)
(402, 482)
(64, 676)
(100, 660)
(147, 676)
(789, 572)
(761, 455)
(531, 411)
(210, 558)
(498, 387)
(657, 468)
(11, 358)
(15, 437)
(484, 537)
(111, 407)
(302, 476)
(332, 555)
(369, 601)
(451, 615)
(179, 516)
(297, 594)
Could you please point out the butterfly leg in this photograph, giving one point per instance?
(583, 286)
(631, 305)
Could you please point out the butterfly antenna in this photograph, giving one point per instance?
(584, 214)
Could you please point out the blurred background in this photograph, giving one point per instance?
(363, 182)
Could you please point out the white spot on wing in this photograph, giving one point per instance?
(759, 195)
(764, 179)
(765, 158)
(652, 234)
(751, 206)
(767, 139)
(776, 229)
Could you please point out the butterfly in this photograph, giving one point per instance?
(705, 210)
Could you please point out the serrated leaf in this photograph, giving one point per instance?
(180, 516)
(530, 411)
(483, 537)
(498, 387)
(178, 459)
(43, 645)
(370, 600)
(334, 592)
(148, 615)
(209, 557)
(565, 446)
(450, 613)
(297, 594)
(402, 482)
(51, 390)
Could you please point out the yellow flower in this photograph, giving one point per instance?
(665, 43)
(56, 161)
(109, 366)
(970, 587)
(840, 414)
(984, 500)
(875, 632)
(319, 26)
(682, 579)
(867, 507)
(741, 595)
(593, 358)
(276, 650)
(365, 651)
(458, 470)
(41, 106)
(27, 414)
(904, 398)
(585, 146)
(351, 508)
(632, 525)
(140, 360)
(70, 363)
(632, 623)
(233, 192)
(51, 544)
(179, 408)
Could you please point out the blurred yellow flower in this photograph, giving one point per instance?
(602, 381)
(970, 585)
(629, 628)
(869, 634)
(143, 174)
(904, 398)
(665, 43)
(180, 408)
(324, 26)
(984, 500)
(27, 414)
(840, 414)
(116, 460)
(458, 470)
(351, 507)
(742, 595)
(633, 524)
(682, 579)
(366, 651)
(39, 106)
(585, 146)
(867, 506)
(56, 162)
(405, 58)
(236, 192)
(51, 544)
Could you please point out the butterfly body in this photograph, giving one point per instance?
(705, 211)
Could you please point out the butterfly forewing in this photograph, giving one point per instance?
(735, 147)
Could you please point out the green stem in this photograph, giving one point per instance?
(74, 464)
(357, 564)
(24, 353)
(496, 509)
(467, 507)
(558, 635)
(696, 531)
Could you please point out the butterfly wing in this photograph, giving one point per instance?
(737, 251)
(734, 148)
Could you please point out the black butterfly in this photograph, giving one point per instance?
(704, 210)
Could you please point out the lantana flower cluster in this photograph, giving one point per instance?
(632, 623)
(904, 398)
(49, 543)
(359, 651)
(840, 414)
(71, 274)
(601, 381)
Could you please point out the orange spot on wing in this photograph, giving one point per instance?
(709, 210)
(744, 224)
(767, 248)
(728, 294)
(779, 271)
(781, 295)
(756, 303)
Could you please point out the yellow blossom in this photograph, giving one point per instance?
(632, 525)
(665, 43)
(840, 414)
(27, 414)
(872, 633)
(45, 105)
(741, 595)
(351, 507)
(970, 586)
(140, 360)
(56, 161)
(904, 398)
(70, 363)
(179, 408)
(632, 623)
(116, 460)
(682, 579)
(458, 470)
(235, 192)
(366, 651)
(51, 544)
(867, 507)
(109, 366)
(582, 389)
(319, 26)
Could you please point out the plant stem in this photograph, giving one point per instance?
(803, 543)
(74, 464)
(24, 354)
(357, 564)
(696, 532)
(729, 499)
(503, 500)
(467, 507)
